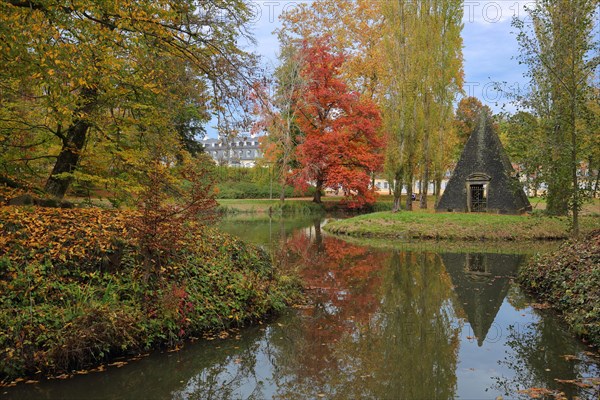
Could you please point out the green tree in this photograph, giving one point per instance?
(562, 55)
(443, 81)
(113, 76)
(591, 142)
(276, 104)
(420, 39)
(523, 144)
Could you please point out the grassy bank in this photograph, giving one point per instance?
(569, 280)
(297, 206)
(457, 226)
(74, 292)
(268, 206)
(456, 246)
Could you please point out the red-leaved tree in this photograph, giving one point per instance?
(340, 144)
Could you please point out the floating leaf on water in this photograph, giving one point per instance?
(570, 357)
(118, 364)
(575, 382)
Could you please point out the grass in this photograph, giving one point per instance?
(268, 206)
(456, 246)
(458, 226)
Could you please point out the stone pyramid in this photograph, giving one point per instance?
(484, 179)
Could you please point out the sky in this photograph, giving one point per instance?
(489, 45)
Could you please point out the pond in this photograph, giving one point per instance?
(384, 322)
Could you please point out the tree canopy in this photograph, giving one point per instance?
(562, 55)
(91, 88)
(339, 144)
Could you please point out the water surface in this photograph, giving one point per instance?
(382, 324)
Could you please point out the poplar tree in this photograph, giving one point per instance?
(562, 55)
(422, 54)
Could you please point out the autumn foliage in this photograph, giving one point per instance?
(569, 280)
(340, 143)
(172, 201)
(81, 285)
(467, 117)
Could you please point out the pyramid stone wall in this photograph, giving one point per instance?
(484, 157)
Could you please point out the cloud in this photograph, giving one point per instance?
(490, 46)
(490, 52)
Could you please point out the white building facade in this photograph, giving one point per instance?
(237, 152)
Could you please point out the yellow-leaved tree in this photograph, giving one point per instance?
(90, 87)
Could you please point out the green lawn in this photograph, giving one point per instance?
(458, 226)
(290, 206)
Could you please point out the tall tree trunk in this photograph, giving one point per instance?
(574, 166)
(426, 156)
(397, 191)
(425, 185)
(67, 160)
(373, 181)
(559, 177)
(285, 161)
(317, 196)
(409, 192)
(283, 180)
(438, 189)
(595, 189)
(282, 194)
(73, 141)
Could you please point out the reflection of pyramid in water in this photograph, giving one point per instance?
(481, 282)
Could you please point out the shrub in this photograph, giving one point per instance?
(72, 293)
(569, 279)
(252, 190)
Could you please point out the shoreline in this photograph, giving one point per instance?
(568, 279)
(468, 227)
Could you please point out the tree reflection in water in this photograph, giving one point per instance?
(381, 327)
(535, 351)
(542, 354)
(387, 325)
